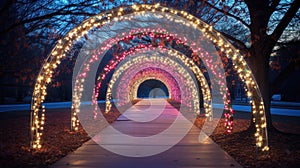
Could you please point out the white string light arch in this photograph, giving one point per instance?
(64, 45)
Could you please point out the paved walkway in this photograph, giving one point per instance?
(142, 122)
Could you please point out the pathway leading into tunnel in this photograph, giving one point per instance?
(147, 118)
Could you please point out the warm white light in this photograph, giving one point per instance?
(65, 43)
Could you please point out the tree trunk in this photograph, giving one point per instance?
(260, 52)
(259, 63)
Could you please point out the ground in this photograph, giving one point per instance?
(59, 141)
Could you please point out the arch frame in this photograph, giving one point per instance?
(177, 56)
(158, 74)
(58, 52)
(142, 62)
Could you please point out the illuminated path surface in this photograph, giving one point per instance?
(187, 153)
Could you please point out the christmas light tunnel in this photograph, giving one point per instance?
(138, 48)
(187, 63)
(144, 17)
(187, 86)
(130, 86)
(170, 55)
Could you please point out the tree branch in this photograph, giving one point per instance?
(229, 14)
(47, 16)
(285, 21)
(70, 9)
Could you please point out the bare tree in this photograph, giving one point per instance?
(259, 25)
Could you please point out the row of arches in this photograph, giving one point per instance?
(113, 26)
(130, 87)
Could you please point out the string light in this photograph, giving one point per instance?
(187, 62)
(126, 87)
(64, 45)
(182, 77)
(135, 49)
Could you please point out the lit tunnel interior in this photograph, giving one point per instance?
(152, 88)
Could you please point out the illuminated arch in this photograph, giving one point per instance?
(108, 67)
(123, 55)
(182, 19)
(143, 61)
(185, 61)
(227, 115)
(146, 74)
(207, 103)
(130, 88)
